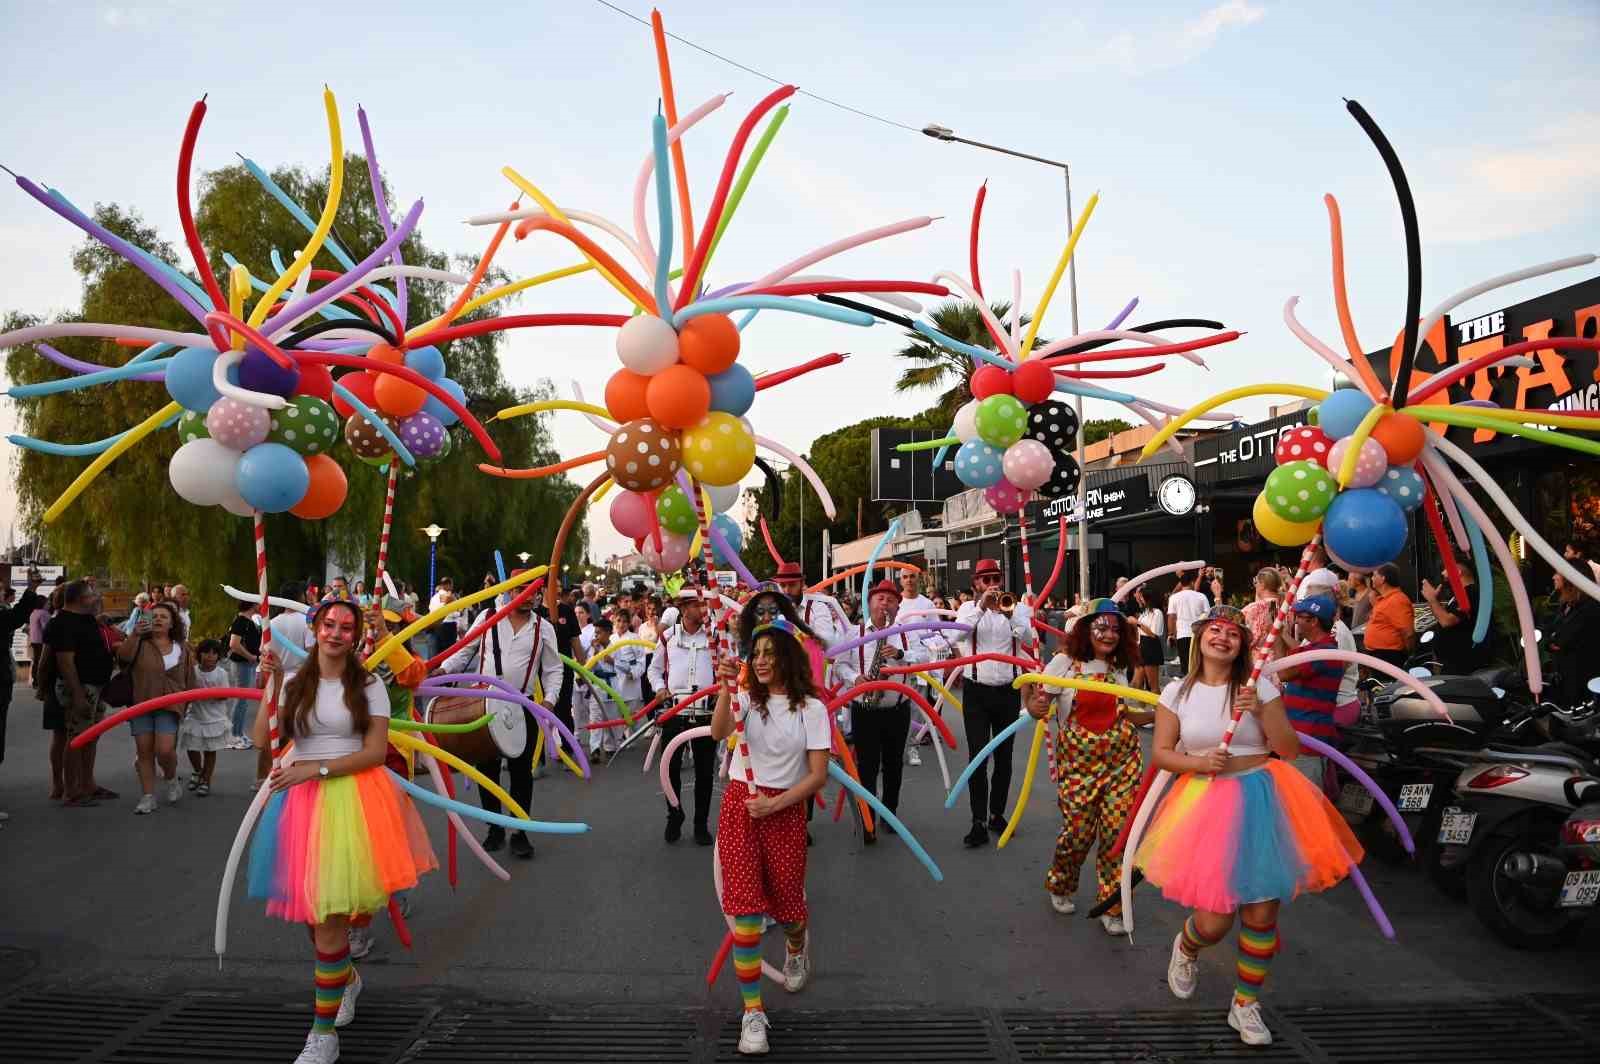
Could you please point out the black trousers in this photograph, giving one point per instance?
(1183, 655)
(1397, 658)
(519, 768)
(705, 769)
(985, 711)
(880, 738)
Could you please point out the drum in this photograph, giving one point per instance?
(506, 734)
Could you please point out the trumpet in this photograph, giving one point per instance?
(1003, 601)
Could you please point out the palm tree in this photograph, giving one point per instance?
(934, 366)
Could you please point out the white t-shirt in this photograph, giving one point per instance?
(331, 728)
(778, 742)
(1186, 606)
(1154, 620)
(1345, 640)
(1203, 717)
(173, 655)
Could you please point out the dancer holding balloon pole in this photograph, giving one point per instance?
(781, 761)
(1239, 832)
(1096, 752)
(337, 837)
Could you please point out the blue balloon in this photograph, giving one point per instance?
(978, 464)
(730, 531)
(272, 478)
(1402, 484)
(733, 391)
(189, 378)
(426, 361)
(445, 415)
(1340, 413)
(1364, 527)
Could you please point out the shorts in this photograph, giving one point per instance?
(76, 720)
(54, 718)
(1150, 650)
(161, 722)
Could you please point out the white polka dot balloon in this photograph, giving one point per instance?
(1402, 484)
(1304, 444)
(1370, 463)
(237, 425)
(1027, 464)
(978, 465)
(1053, 424)
(643, 456)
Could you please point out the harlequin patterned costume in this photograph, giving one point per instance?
(1096, 776)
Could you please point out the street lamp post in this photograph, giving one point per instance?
(433, 532)
(938, 132)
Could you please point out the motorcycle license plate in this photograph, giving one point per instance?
(1353, 798)
(1456, 827)
(1414, 797)
(1580, 889)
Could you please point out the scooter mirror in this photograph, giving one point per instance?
(1594, 685)
(1420, 673)
(1427, 637)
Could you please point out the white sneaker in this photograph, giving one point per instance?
(1246, 1019)
(752, 1034)
(146, 806)
(1063, 904)
(1183, 971)
(347, 1004)
(360, 942)
(174, 790)
(320, 1049)
(1113, 925)
(796, 970)
(912, 757)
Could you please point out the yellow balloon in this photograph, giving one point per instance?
(719, 451)
(1275, 529)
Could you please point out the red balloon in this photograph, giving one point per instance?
(1307, 443)
(326, 492)
(397, 396)
(625, 396)
(360, 384)
(988, 380)
(1032, 382)
(317, 381)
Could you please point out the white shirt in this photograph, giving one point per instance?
(1187, 607)
(824, 616)
(1154, 620)
(1203, 717)
(516, 652)
(586, 638)
(853, 666)
(1346, 641)
(629, 663)
(993, 633)
(681, 663)
(778, 742)
(330, 727)
(438, 600)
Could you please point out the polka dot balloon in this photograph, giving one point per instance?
(237, 425)
(1306, 443)
(1053, 424)
(367, 442)
(978, 465)
(675, 512)
(306, 425)
(192, 426)
(1006, 497)
(1370, 463)
(1063, 478)
(643, 456)
(422, 434)
(1299, 491)
(1001, 420)
(1027, 464)
(719, 450)
(1402, 484)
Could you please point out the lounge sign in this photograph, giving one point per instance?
(1130, 495)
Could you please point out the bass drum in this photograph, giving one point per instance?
(506, 734)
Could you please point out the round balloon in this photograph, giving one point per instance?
(234, 503)
(444, 414)
(965, 424)
(630, 514)
(191, 426)
(642, 456)
(1001, 420)
(1304, 444)
(1006, 497)
(719, 451)
(1340, 413)
(678, 396)
(675, 512)
(1402, 484)
(272, 478)
(625, 392)
(358, 384)
(202, 471)
(647, 344)
(1275, 529)
(397, 397)
(733, 391)
(386, 353)
(188, 378)
(317, 381)
(989, 379)
(723, 496)
(731, 532)
(1401, 437)
(326, 491)
(306, 424)
(709, 343)
(673, 555)
(1032, 382)
(1027, 464)
(1299, 492)
(259, 373)
(978, 465)
(1063, 478)
(1345, 564)
(237, 424)
(1365, 526)
(426, 361)
(422, 434)
(440, 454)
(1054, 424)
(367, 442)
(1370, 462)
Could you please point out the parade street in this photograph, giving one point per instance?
(98, 903)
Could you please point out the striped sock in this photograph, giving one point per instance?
(747, 959)
(1194, 940)
(1257, 945)
(795, 936)
(332, 972)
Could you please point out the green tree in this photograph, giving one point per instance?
(130, 525)
(1095, 430)
(935, 366)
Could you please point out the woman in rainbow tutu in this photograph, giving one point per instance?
(1240, 831)
(337, 836)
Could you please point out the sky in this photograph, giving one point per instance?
(1210, 130)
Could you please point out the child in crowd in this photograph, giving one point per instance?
(206, 727)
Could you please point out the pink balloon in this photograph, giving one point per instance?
(1028, 464)
(1370, 463)
(630, 514)
(1006, 497)
(238, 425)
(673, 555)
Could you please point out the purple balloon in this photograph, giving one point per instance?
(260, 374)
(422, 434)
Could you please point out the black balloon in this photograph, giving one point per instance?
(1063, 479)
(1053, 424)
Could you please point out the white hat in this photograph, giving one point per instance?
(1317, 581)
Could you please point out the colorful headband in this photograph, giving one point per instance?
(315, 613)
(781, 624)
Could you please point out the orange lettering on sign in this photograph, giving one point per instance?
(1481, 384)
(1551, 372)
(1430, 356)
(1583, 317)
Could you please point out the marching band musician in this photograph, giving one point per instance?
(681, 665)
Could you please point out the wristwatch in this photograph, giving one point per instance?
(322, 770)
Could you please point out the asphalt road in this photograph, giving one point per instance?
(99, 899)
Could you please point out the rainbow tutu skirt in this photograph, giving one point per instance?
(1267, 833)
(337, 847)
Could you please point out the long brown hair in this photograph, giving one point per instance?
(300, 695)
(793, 668)
(1237, 675)
(1080, 644)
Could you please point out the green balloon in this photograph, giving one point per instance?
(1313, 416)
(1002, 420)
(192, 426)
(306, 425)
(676, 512)
(1300, 491)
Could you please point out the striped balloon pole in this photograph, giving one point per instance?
(716, 634)
(260, 529)
(383, 532)
(1265, 653)
(1027, 567)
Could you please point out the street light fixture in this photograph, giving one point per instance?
(523, 556)
(944, 133)
(433, 532)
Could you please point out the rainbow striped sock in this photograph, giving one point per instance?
(1257, 945)
(1193, 940)
(747, 959)
(332, 972)
(795, 937)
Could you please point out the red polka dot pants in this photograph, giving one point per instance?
(763, 861)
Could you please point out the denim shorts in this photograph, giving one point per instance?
(161, 722)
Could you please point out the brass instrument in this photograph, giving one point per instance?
(871, 699)
(1008, 602)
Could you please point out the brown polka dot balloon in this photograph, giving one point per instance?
(643, 456)
(365, 440)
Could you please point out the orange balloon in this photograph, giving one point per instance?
(625, 395)
(1401, 436)
(678, 397)
(709, 343)
(383, 352)
(396, 397)
(326, 492)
